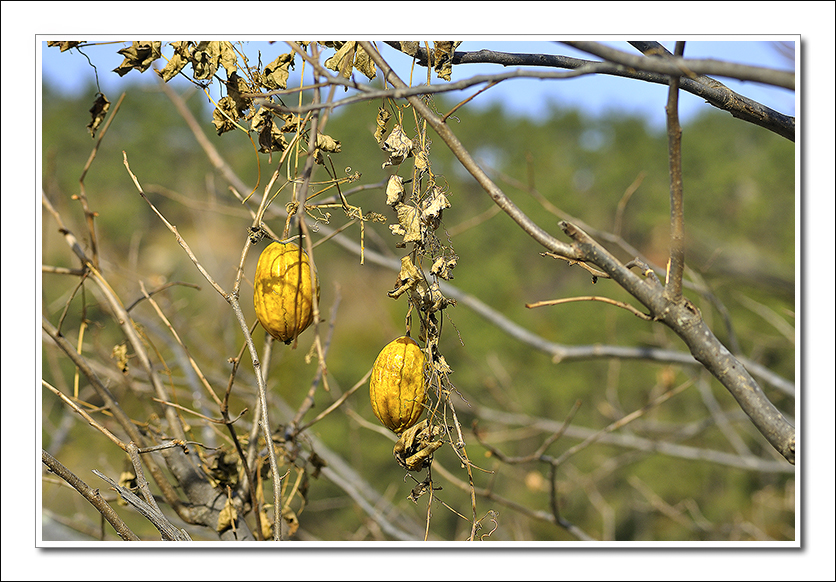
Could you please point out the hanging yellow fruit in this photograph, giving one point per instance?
(396, 388)
(282, 293)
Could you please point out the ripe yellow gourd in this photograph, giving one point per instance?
(396, 388)
(282, 293)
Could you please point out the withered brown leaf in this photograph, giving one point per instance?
(98, 112)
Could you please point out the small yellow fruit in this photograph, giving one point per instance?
(396, 387)
(282, 291)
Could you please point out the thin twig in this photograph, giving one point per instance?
(626, 306)
(82, 195)
(179, 341)
(308, 402)
(541, 450)
(157, 290)
(69, 402)
(180, 240)
(336, 404)
(522, 509)
(202, 416)
(596, 273)
(623, 421)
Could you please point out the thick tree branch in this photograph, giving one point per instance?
(714, 92)
(676, 65)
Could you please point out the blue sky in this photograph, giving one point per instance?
(70, 72)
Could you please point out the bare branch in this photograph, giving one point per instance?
(91, 495)
(151, 512)
(677, 66)
(714, 92)
(621, 304)
(632, 441)
(676, 263)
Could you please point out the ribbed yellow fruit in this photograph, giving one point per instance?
(282, 293)
(397, 388)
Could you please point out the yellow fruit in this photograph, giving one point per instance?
(282, 291)
(396, 387)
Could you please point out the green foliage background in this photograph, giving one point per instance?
(740, 207)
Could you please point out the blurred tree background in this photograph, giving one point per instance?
(611, 173)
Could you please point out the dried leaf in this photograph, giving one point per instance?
(318, 464)
(440, 366)
(127, 479)
(398, 145)
(383, 117)
(394, 190)
(408, 220)
(138, 56)
(409, 279)
(235, 85)
(291, 521)
(227, 517)
(224, 123)
(343, 60)
(443, 51)
(222, 467)
(327, 143)
(409, 47)
(422, 161)
(266, 525)
(98, 112)
(227, 57)
(349, 56)
(415, 447)
(276, 73)
(419, 490)
(433, 205)
(443, 265)
(364, 64)
(434, 300)
(65, 45)
(270, 136)
(120, 354)
(205, 59)
(177, 62)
